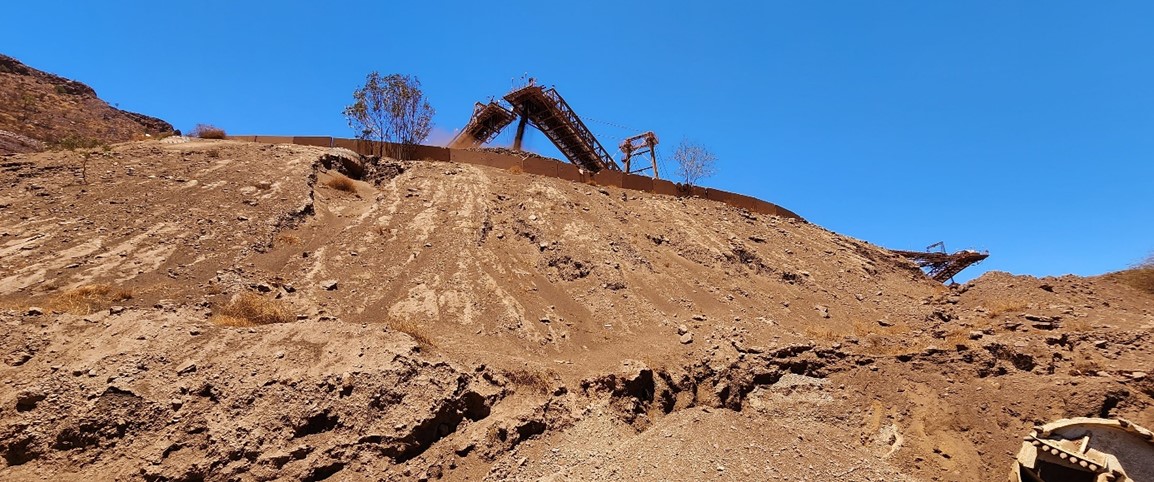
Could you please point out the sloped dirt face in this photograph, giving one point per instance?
(150, 395)
(39, 108)
(462, 323)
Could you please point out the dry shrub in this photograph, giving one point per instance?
(85, 300)
(250, 309)
(516, 169)
(530, 379)
(822, 334)
(1140, 277)
(881, 345)
(1084, 365)
(288, 239)
(958, 337)
(213, 153)
(208, 131)
(342, 183)
(411, 328)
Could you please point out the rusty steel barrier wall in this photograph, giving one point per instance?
(481, 158)
(609, 178)
(313, 141)
(432, 153)
(637, 183)
(569, 172)
(539, 166)
(350, 144)
(273, 139)
(667, 188)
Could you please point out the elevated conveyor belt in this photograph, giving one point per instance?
(488, 120)
(943, 266)
(550, 114)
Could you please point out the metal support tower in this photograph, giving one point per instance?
(637, 145)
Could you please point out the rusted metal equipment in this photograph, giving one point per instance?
(551, 115)
(546, 110)
(1085, 450)
(487, 121)
(637, 145)
(940, 265)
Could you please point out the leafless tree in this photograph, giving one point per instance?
(694, 162)
(391, 109)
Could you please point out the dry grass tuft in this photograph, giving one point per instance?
(342, 183)
(822, 334)
(958, 337)
(411, 328)
(535, 380)
(1140, 277)
(213, 153)
(208, 131)
(1084, 365)
(250, 309)
(286, 239)
(516, 169)
(85, 300)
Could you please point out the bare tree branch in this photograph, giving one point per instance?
(694, 162)
(391, 109)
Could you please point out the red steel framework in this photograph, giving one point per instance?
(488, 120)
(548, 112)
(551, 115)
(637, 145)
(940, 265)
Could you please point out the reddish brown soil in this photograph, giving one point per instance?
(61, 112)
(488, 324)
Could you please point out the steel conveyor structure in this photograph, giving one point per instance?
(551, 115)
(488, 120)
(942, 266)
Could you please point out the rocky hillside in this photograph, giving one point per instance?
(461, 322)
(38, 108)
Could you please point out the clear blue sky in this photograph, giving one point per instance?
(1025, 128)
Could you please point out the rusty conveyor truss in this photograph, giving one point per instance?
(549, 113)
(942, 266)
(488, 120)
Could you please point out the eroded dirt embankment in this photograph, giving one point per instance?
(461, 322)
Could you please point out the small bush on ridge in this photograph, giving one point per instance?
(208, 131)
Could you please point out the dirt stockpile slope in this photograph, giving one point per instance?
(462, 322)
(47, 108)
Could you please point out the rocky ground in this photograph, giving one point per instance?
(461, 322)
(38, 108)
